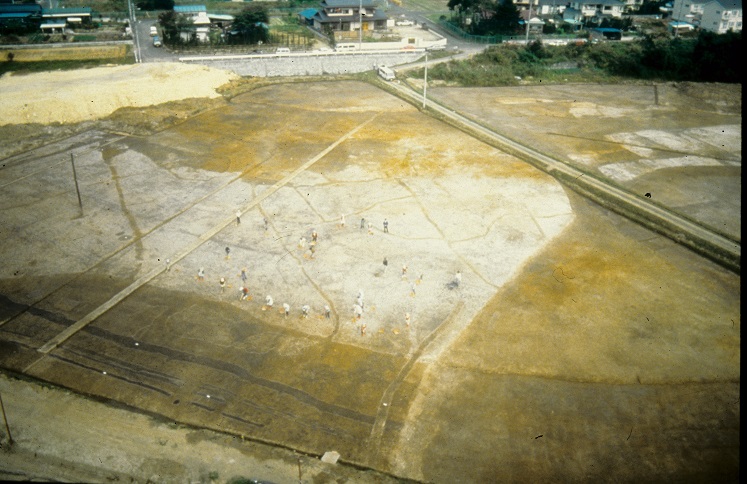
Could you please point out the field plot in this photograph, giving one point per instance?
(680, 143)
(188, 346)
(516, 332)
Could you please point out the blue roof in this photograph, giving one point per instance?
(189, 8)
(606, 29)
(68, 12)
(308, 14)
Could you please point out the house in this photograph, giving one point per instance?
(688, 10)
(202, 21)
(573, 18)
(632, 5)
(306, 17)
(70, 16)
(550, 8)
(598, 9)
(49, 20)
(717, 16)
(23, 16)
(341, 16)
(722, 16)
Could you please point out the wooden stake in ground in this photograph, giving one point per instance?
(5, 418)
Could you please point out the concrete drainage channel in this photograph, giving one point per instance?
(304, 64)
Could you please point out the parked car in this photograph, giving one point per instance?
(157, 41)
(153, 31)
(404, 23)
(385, 73)
(283, 50)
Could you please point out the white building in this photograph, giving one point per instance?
(721, 16)
(598, 8)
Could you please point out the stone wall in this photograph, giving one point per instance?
(312, 64)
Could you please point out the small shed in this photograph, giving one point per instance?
(306, 17)
(604, 33)
(53, 27)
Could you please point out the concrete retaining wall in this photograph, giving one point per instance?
(312, 64)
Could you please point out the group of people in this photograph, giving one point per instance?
(310, 244)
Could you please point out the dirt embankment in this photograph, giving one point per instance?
(83, 95)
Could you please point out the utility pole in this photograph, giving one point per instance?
(75, 177)
(425, 78)
(360, 25)
(529, 17)
(7, 428)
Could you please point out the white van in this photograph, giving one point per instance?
(283, 50)
(386, 73)
(153, 31)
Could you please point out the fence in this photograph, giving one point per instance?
(478, 39)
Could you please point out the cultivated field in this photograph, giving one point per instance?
(577, 345)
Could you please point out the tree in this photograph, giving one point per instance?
(502, 18)
(155, 4)
(172, 24)
(465, 8)
(249, 25)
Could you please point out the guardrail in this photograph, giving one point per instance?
(299, 55)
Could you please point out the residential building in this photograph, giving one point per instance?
(598, 9)
(632, 5)
(722, 16)
(341, 16)
(688, 10)
(550, 8)
(202, 21)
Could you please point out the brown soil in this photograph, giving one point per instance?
(581, 347)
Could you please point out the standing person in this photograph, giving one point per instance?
(266, 223)
(201, 274)
(244, 293)
(222, 283)
(302, 243)
(168, 265)
(386, 226)
(228, 251)
(342, 221)
(386, 264)
(363, 223)
(370, 228)
(314, 236)
(286, 309)
(305, 311)
(357, 311)
(243, 275)
(327, 311)
(268, 303)
(238, 217)
(412, 290)
(407, 319)
(458, 278)
(312, 248)
(404, 271)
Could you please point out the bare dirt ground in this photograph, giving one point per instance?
(578, 346)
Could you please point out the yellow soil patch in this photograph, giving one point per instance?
(78, 52)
